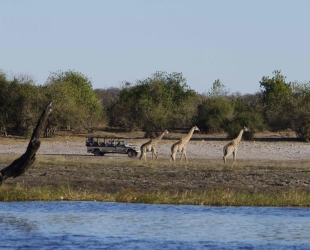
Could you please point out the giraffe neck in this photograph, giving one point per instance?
(159, 137)
(238, 138)
(189, 135)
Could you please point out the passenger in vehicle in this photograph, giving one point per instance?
(90, 141)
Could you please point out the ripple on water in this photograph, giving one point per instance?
(70, 225)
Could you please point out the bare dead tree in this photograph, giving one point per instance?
(23, 163)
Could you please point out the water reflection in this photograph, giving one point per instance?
(138, 226)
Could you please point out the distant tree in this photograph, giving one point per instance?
(244, 115)
(276, 98)
(286, 105)
(153, 104)
(214, 109)
(300, 110)
(20, 103)
(218, 89)
(107, 96)
(4, 105)
(212, 113)
(75, 103)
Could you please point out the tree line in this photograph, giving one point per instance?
(161, 101)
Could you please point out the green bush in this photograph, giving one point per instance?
(212, 112)
(253, 121)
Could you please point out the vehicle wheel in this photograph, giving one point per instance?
(131, 153)
(97, 152)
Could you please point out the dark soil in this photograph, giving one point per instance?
(165, 176)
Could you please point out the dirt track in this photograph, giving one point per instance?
(198, 148)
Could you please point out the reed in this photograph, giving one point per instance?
(50, 194)
(216, 197)
(219, 198)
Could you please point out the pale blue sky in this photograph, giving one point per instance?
(236, 41)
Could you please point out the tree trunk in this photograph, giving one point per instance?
(23, 163)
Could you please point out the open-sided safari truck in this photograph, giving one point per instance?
(101, 145)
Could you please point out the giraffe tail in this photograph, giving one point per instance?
(225, 150)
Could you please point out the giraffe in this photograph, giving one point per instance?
(232, 146)
(181, 145)
(151, 146)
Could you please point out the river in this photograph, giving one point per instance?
(102, 225)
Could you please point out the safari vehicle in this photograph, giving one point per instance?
(101, 145)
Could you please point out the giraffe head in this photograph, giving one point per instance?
(245, 129)
(196, 128)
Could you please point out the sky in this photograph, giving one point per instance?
(117, 41)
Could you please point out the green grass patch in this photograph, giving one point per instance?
(216, 197)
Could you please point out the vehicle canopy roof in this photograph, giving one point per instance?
(106, 137)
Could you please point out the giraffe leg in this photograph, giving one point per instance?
(234, 156)
(183, 153)
(225, 153)
(172, 157)
(185, 156)
(173, 153)
(142, 152)
(141, 156)
(155, 155)
(145, 156)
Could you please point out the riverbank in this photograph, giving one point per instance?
(266, 174)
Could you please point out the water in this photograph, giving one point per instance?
(99, 225)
